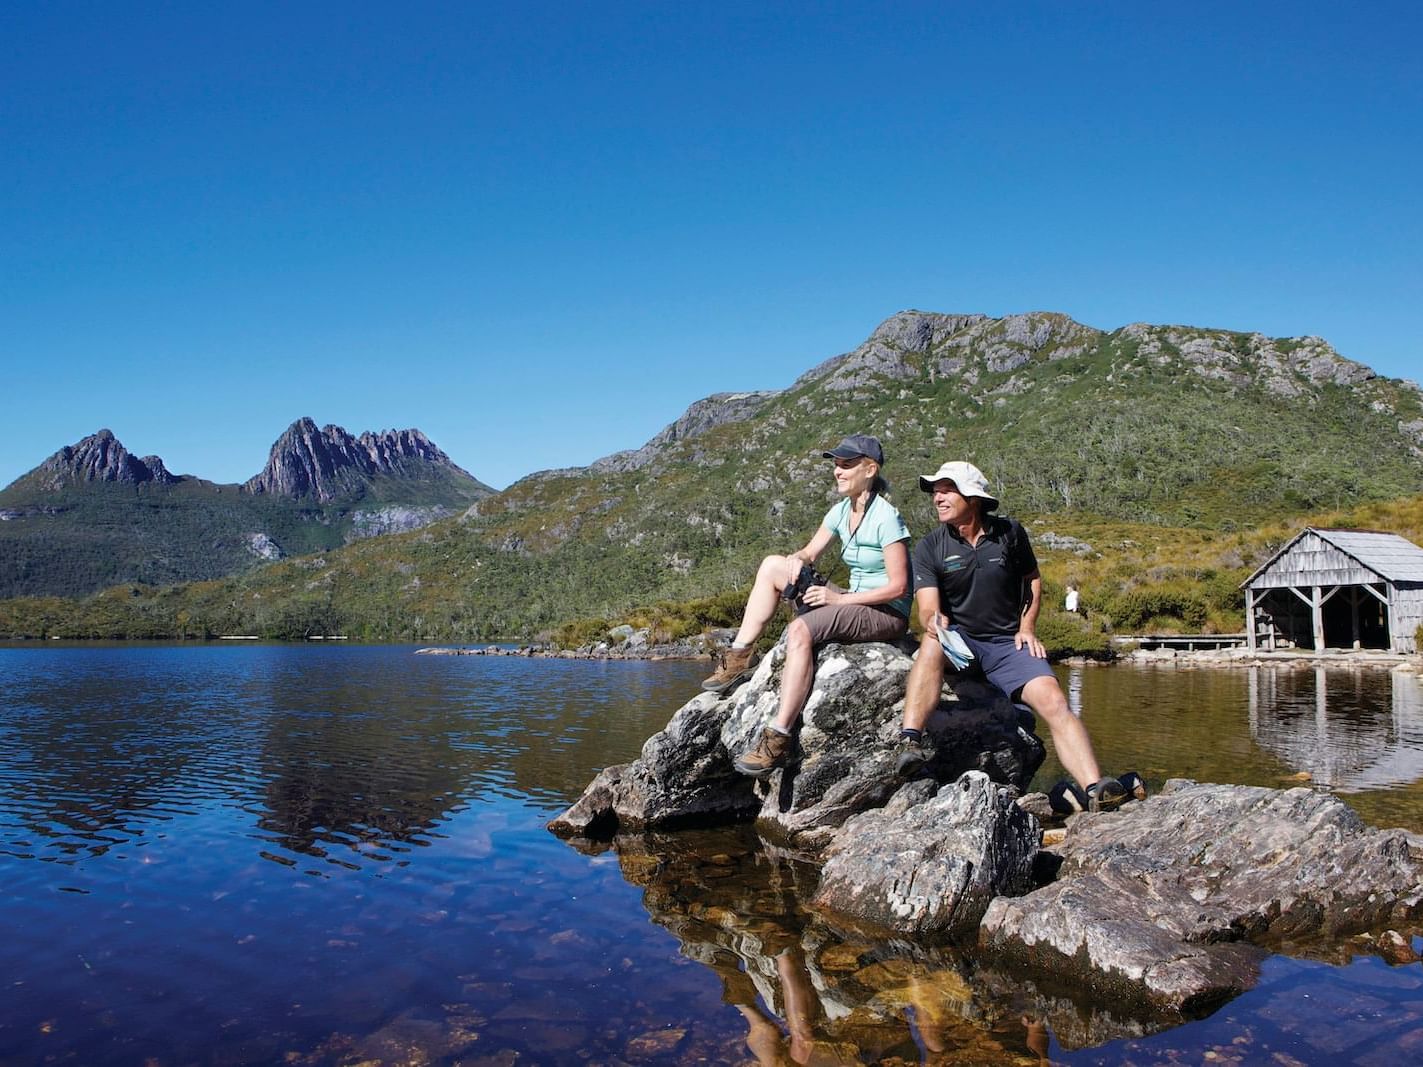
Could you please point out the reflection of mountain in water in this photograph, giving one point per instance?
(736, 907)
(105, 766)
(353, 779)
(346, 754)
(1352, 730)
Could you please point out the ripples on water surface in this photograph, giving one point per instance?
(336, 855)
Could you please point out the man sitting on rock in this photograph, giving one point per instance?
(980, 569)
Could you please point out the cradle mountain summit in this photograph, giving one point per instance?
(94, 514)
(330, 464)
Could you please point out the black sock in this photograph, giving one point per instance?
(913, 735)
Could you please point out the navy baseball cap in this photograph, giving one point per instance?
(855, 446)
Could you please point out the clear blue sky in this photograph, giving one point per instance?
(537, 231)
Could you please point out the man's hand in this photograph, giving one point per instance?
(1029, 640)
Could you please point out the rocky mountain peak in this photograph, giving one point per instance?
(910, 343)
(329, 463)
(703, 415)
(99, 458)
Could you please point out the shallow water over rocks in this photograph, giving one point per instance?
(337, 855)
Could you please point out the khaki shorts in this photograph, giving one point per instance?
(853, 623)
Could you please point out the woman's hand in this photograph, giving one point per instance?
(818, 596)
(794, 565)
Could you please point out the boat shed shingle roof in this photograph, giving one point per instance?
(1388, 555)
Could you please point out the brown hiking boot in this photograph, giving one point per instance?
(734, 667)
(770, 752)
(911, 753)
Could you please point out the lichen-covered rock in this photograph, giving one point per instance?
(845, 756)
(843, 762)
(927, 867)
(1170, 901)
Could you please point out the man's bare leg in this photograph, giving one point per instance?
(925, 684)
(1069, 736)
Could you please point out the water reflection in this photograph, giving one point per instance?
(808, 992)
(348, 756)
(1349, 730)
(108, 766)
(336, 855)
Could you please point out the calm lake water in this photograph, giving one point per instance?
(337, 855)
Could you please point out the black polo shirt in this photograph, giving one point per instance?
(980, 586)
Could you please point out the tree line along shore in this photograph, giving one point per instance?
(1133, 578)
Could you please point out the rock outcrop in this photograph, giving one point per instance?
(929, 863)
(330, 464)
(844, 762)
(1175, 901)
(1167, 907)
(706, 414)
(99, 458)
(393, 518)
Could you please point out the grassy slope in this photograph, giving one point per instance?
(1180, 481)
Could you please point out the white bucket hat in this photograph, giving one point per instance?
(969, 479)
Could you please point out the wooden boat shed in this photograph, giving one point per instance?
(1337, 589)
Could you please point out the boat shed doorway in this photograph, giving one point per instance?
(1337, 589)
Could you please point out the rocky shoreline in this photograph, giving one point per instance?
(1243, 657)
(1168, 905)
(625, 643)
(622, 643)
(652, 652)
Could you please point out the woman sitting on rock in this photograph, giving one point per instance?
(875, 545)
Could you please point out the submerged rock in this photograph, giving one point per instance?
(1175, 901)
(844, 761)
(739, 908)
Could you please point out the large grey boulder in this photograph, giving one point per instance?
(1174, 901)
(928, 864)
(845, 759)
(844, 762)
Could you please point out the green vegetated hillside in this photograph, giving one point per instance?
(1177, 456)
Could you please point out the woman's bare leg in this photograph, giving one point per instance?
(771, 577)
(796, 675)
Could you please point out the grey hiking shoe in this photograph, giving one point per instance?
(772, 751)
(1106, 794)
(909, 755)
(733, 668)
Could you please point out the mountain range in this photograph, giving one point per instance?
(1152, 426)
(93, 514)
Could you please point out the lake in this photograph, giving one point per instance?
(312, 854)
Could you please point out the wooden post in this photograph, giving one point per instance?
(1354, 615)
(1388, 610)
(1316, 611)
(1250, 618)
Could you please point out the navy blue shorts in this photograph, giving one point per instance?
(1006, 667)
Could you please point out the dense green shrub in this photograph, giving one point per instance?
(1135, 608)
(1071, 635)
